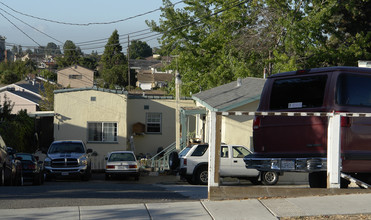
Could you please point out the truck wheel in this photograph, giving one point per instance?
(190, 180)
(202, 175)
(318, 180)
(2, 183)
(269, 178)
(255, 181)
(174, 160)
(8, 181)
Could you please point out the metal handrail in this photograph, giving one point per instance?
(158, 161)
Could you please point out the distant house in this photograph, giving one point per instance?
(75, 77)
(24, 94)
(148, 72)
(109, 120)
(147, 80)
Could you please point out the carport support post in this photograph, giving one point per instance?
(333, 151)
(214, 151)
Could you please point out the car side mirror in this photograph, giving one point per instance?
(106, 158)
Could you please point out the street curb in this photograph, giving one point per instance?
(265, 192)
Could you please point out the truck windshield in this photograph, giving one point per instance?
(298, 92)
(64, 147)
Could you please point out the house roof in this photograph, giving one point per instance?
(27, 95)
(145, 77)
(33, 87)
(230, 96)
(73, 67)
(163, 77)
(143, 64)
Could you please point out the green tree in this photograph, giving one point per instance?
(201, 35)
(139, 49)
(16, 130)
(6, 109)
(9, 77)
(114, 63)
(218, 41)
(47, 101)
(49, 75)
(71, 56)
(52, 49)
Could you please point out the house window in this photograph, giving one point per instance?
(102, 132)
(153, 122)
(75, 76)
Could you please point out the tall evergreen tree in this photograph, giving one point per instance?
(114, 63)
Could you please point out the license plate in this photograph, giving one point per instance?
(65, 174)
(288, 164)
(122, 167)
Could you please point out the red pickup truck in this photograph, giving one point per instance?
(299, 144)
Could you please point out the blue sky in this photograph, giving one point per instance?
(76, 11)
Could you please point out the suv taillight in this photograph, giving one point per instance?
(256, 123)
(345, 122)
(184, 161)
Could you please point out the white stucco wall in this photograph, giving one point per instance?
(19, 102)
(149, 143)
(75, 110)
(235, 129)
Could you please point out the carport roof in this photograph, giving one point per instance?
(231, 95)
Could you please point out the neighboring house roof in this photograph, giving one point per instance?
(145, 77)
(143, 64)
(156, 77)
(231, 95)
(163, 77)
(29, 96)
(73, 67)
(32, 87)
(90, 88)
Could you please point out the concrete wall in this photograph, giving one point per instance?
(75, 109)
(86, 80)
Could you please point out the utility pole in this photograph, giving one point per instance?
(128, 64)
(177, 110)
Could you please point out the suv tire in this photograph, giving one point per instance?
(190, 180)
(174, 161)
(202, 175)
(317, 180)
(269, 178)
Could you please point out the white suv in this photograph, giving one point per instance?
(194, 165)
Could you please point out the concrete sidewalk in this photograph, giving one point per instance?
(205, 209)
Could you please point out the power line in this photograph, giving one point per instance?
(19, 29)
(92, 42)
(86, 24)
(31, 26)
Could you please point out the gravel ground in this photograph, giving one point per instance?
(330, 217)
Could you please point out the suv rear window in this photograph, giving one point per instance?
(200, 150)
(298, 92)
(354, 90)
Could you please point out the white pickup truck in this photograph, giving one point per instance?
(194, 165)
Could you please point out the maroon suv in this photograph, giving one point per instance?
(299, 144)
